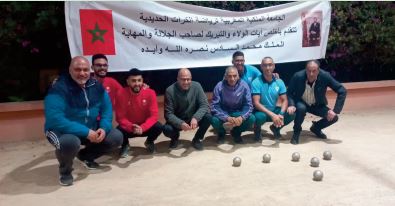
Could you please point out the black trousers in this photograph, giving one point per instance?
(68, 146)
(319, 110)
(151, 134)
(174, 133)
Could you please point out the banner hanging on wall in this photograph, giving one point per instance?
(170, 35)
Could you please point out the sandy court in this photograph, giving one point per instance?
(360, 173)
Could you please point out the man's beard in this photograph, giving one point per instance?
(136, 89)
(100, 75)
(79, 81)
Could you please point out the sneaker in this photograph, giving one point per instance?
(89, 164)
(317, 132)
(124, 151)
(295, 138)
(66, 179)
(197, 144)
(150, 146)
(173, 143)
(276, 132)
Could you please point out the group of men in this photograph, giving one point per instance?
(79, 108)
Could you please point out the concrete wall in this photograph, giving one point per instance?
(25, 120)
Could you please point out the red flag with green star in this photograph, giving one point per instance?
(97, 32)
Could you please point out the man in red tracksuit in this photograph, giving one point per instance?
(100, 69)
(137, 112)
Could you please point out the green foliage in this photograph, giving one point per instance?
(32, 37)
(362, 38)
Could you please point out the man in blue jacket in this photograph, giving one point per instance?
(78, 111)
(307, 93)
(231, 106)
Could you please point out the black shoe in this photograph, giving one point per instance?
(238, 140)
(257, 134)
(150, 146)
(173, 143)
(66, 179)
(295, 138)
(221, 139)
(89, 164)
(124, 151)
(197, 144)
(276, 132)
(318, 132)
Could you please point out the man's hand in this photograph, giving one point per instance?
(92, 136)
(185, 126)
(101, 134)
(145, 86)
(276, 75)
(291, 110)
(232, 121)
(238, 121)
(137, 129)
(278, 120)
(194, 123)
(331, 115)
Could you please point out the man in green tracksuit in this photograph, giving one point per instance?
(186, 108)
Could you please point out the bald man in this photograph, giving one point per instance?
(186, 108)
(72, 107)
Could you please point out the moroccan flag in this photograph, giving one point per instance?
(97, 32)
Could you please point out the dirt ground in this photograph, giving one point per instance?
(360, 173)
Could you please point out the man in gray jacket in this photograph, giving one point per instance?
(186, 108)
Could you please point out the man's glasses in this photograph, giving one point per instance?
(267, 65)
(101, 65)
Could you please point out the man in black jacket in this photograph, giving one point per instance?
(315, 33)
(307, 93)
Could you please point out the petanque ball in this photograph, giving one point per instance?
(327, 155)
(318, 175)
(236, 161)
(266, 158)
(314, 162)
(295, 156)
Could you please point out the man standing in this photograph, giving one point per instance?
(186, 108)
(72, 107)
(266, 90)
(100, 69)
(307, 93)
(315, 33)
(137, 112)
(246, 72)
(231, 106)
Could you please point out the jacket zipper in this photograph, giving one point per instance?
(87, 105)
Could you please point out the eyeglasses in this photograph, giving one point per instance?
(101, 65)
(267, 65)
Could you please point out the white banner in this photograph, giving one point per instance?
(170, 35)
